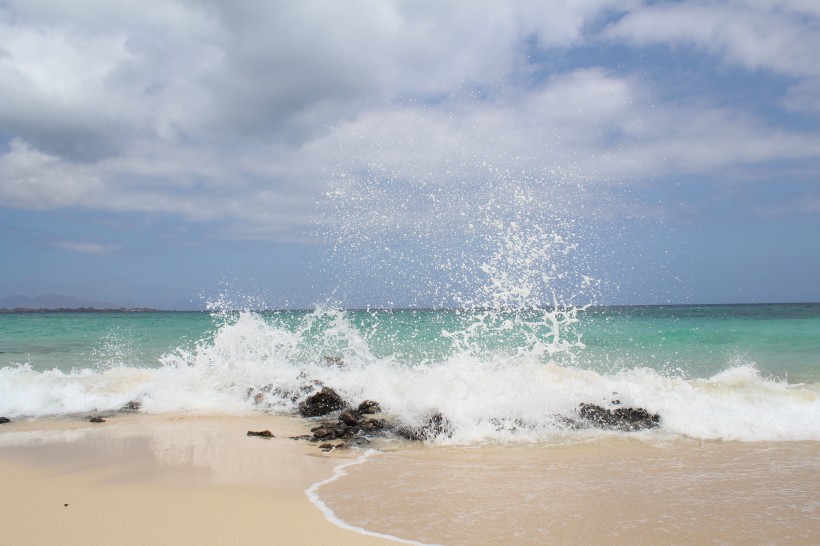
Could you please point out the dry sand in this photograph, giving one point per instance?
(139, 479)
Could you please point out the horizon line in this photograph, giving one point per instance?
(142, 309)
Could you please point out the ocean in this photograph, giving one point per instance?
(734, 372)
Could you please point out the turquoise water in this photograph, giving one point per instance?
(749, 372)
(67, 341)
(782, 341)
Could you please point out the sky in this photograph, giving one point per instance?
(390, 153)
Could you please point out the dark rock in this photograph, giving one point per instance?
(327, 447)
(96, 420)
(354, 429)
(373, 425)
(332, 431)
(349, 418)
(132, 407)
(321, 403)
(349, 427)
(509, 424)
(436, 425)
(368, 406)
(324, 432)
(4, 420)
(567, 423)
(261, 433)
(637, 418)
(626, 419)
(596, 415)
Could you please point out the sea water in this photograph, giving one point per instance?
(737, 372)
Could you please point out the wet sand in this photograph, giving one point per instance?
(608, 491)
(139, 479)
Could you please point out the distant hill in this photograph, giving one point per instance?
(52, 301)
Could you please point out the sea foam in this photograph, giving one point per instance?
(520, 393)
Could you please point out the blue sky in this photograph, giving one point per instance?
(164, 153)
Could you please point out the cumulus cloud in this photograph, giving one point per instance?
(241, 114)
(780, 36)
(32, 179)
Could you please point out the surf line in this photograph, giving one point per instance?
(312, 493)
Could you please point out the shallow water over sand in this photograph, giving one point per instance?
(609, 491)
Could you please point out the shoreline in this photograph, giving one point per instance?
(139, 479)
(189, 479)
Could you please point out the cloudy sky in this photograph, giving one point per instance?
(159, 152)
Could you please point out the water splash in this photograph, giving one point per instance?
(503, 240)
(508, 393)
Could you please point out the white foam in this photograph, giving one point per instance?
(256, 364)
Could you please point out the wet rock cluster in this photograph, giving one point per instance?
(354, 427)
(344, 426)
(435, 425)
(625, 419)
(323, 402)
(132, 407)
(263, 396)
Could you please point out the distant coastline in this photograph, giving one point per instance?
(23, 310)
(58, 303)
(681, 309)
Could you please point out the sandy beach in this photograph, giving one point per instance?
(138, 479)
(141, 479)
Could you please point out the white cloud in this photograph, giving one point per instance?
(88, 71)
(30, 178)
(779, 36)
(754, 34)
(598, 125)
(240, 114)
(86, 247)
